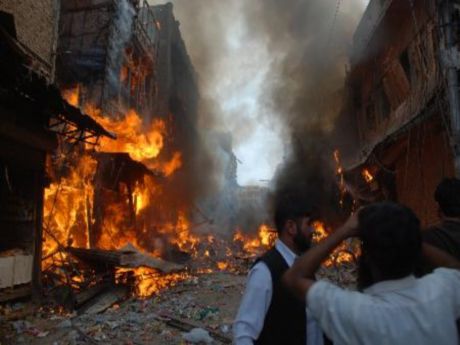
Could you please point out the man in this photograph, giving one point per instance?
(269, 314)
(394, 306)
(446, 235)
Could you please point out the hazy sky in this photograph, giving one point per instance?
(235, 83)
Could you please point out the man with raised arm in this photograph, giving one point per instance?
(392, 307)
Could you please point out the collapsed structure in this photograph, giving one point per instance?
(401, 109)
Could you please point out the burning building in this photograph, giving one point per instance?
(34, 116)
(125, 62)
(401, 109)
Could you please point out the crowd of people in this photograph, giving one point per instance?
(408, 284)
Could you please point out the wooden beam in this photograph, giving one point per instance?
(128, 257)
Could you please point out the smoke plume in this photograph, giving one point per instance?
(278, 66)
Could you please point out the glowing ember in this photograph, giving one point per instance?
(367, 176)
(149, 281)
(222, 265)
(339, 172)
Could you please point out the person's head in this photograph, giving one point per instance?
(447, 195)
(391, 243)
(292, 221)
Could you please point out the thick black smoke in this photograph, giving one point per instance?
(305, 44)
(310, 40)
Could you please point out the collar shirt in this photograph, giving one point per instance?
(256, 300)
(405, 311)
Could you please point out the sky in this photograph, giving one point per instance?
(234, 83)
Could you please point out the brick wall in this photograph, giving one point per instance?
(35, 25)
(420, 169)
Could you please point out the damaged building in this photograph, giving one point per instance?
(402, 104)
(30, 107)
(125, 64)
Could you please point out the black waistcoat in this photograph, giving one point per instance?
(285, 322)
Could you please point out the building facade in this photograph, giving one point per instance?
(401, 106)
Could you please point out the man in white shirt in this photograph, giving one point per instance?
(269, 314)
(394, 307)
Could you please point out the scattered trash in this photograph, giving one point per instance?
(225, 328)
(21, 326)
(65, 324)
(198, 335)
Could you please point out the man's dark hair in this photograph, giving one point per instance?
(289, 207)
(447, 195)
(391, 239)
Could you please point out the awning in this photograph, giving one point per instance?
(21, 85)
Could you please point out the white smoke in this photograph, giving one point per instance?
(120, 34)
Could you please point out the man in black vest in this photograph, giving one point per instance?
(269, 314)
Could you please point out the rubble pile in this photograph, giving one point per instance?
(205, 301)
(199, 307)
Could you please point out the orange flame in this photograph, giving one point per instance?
(265, 239)
(69, 201)
(72, 95)
(150, 281)
(367, 176)
(347, 252)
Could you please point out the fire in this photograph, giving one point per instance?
(149, 281)
(339, 173)
(183, 238)
(68, 205)
(367, 176)
(320, 232)
(141, 144)
(170, 167)
(348, 251)
(72, 95)
(265, 239)
(222, 265)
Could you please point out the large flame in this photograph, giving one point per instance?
(67, 207)
(347, 252)
(69, 199)
(253, 244)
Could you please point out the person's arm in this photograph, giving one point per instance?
(254, 306)
(301, 276)
(439, 258)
